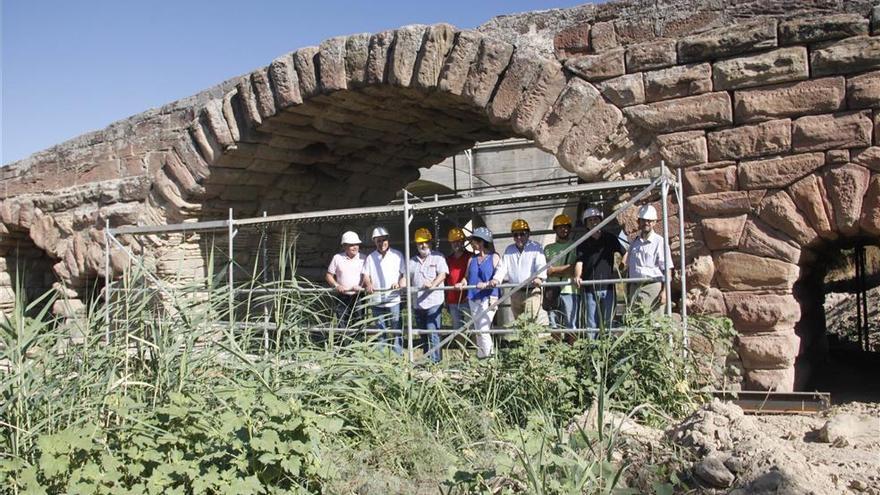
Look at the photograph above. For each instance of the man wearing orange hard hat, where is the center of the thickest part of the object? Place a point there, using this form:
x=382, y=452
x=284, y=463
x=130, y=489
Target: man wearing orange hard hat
x=521, y=260
x=562, y=310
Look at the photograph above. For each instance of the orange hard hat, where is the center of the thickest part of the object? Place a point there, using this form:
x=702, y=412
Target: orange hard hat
x=455, y=234
x=519, y=224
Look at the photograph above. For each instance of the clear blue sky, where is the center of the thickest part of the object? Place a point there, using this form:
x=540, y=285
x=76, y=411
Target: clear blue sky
x=74, y=66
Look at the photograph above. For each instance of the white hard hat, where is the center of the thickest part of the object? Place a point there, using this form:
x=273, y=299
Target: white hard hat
x=482, y=233
x=647, y=212
x=350, y=238
x=591, y=212
x=379, y=232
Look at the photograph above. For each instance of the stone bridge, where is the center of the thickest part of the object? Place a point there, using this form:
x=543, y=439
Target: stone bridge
x=770, y=107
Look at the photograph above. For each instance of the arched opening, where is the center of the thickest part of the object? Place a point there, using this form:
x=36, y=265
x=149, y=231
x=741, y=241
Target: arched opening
x=840, y=323
x=23, y=266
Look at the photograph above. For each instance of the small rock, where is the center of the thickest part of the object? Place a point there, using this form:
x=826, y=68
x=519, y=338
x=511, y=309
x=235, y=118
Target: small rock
x=712, y=471
x=858, y=485
x=735, y=464
x=849, y=428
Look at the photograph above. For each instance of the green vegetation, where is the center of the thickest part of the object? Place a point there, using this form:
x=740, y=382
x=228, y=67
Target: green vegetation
x=180, y=401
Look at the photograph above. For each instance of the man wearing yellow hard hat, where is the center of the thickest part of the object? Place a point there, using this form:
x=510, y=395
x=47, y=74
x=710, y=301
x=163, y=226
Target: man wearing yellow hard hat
x=563, y=309
x=427, y=270
x=520, y=261
x=457, y=262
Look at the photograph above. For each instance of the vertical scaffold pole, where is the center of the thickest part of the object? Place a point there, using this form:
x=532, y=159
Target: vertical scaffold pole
x=409, y=327
x=229, y=274
x=265, y=279
x=679, y=189
x=107, y=279
x=664, y=198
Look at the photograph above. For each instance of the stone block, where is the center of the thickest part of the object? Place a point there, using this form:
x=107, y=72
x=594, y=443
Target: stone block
x=682, y=149
x=777, y=380
x=736, y=271
x=779, y=171
x=331, y=65
x=576, y=153
x=706, y=302
x=597, y=67
x=845, y=187
x=377, y=57
x=875, y=20
x=777, y=66
x=305, y=62
x=821, y=28
x=690, y=113
x=700, y=272
x=635, y=30
x=756, y=312
x=286, y=82
x=492, y=58
x=822, y=132
x=780, y=212
x=603, y=36
x=576, y=98
x=870, y=219
x=678, y=81
x=538, y=98
x=439, y=39
x=573, y=40
x=403, y=54
x=357, y=51
x=519, y=75
x=729, y=40
x=711, y=178
x=721, y=233
x=837, y=157
x=655, y=54
x=867, y=157
x=719, y=203
x=761, y=240
x=863, y=91
x=776, y=350
x=789, y=99
x=458, y=62
x=846, y=56
x=809, y=198
x=750, y=141
x=623, y=91
x=877, y=127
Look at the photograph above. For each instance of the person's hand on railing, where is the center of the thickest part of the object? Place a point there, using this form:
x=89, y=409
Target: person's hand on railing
x=461, y=285
x=537, y=282
x=578, y=282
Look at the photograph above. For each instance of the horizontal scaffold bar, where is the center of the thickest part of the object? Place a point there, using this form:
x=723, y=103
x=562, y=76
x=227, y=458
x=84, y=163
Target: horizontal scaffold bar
x=508, y=197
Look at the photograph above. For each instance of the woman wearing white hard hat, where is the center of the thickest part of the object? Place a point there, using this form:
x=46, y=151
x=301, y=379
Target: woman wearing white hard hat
x=481, y=269
x=344, y=276
x=647, y=257
x=595, y=261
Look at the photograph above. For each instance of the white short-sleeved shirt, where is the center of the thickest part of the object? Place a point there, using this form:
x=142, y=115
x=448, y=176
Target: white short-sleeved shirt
x=645, y=258
x=385, y=271
x=517, y=265
x=422, y=271
x=347, y=271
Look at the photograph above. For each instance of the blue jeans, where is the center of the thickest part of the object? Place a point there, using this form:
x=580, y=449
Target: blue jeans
x=459, y=314
x=429, y=319
x=566, y=315
x=388, y=318
x=599, y=307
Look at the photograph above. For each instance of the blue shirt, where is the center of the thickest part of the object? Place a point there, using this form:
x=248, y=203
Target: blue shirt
x=481, y=272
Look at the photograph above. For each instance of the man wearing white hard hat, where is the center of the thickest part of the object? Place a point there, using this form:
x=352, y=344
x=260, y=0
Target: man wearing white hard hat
x=384, y=274
x=595, y=261
x=344, y=275
x=520, y=261
x=647, y=257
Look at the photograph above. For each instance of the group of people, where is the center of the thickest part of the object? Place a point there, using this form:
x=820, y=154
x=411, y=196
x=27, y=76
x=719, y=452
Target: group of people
x=580, y=278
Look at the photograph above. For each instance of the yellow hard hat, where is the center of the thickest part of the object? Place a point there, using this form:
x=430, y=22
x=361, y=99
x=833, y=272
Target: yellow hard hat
x=561, y=219
x=423, y=235
x=519, y=224
x=455, y=234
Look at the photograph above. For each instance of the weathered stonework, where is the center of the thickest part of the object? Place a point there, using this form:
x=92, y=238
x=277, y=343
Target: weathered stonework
x=772, y=113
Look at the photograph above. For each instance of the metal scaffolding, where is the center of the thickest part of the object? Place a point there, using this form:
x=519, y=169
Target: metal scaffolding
x=636, y=190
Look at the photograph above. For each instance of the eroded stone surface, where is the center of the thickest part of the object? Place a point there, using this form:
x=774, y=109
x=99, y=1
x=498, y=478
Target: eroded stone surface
x=790, y=99
x=726, y=41
x=755, y=312
x=777, y=66
x=694, y=112
x=737, y=271
x=846, y=186
x=750, y=141
x=846, y=56
x=822, y=132
x=778, y=172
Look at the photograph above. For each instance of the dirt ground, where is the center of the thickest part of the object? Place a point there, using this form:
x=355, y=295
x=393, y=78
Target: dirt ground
x=833, y=452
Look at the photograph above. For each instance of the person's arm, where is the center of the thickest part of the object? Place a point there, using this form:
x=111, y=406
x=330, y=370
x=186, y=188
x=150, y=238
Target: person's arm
x=367, y=281
x=401, y=280
x=578, y=272
x=500, y=264
x=540, y=261
x=442, y=272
